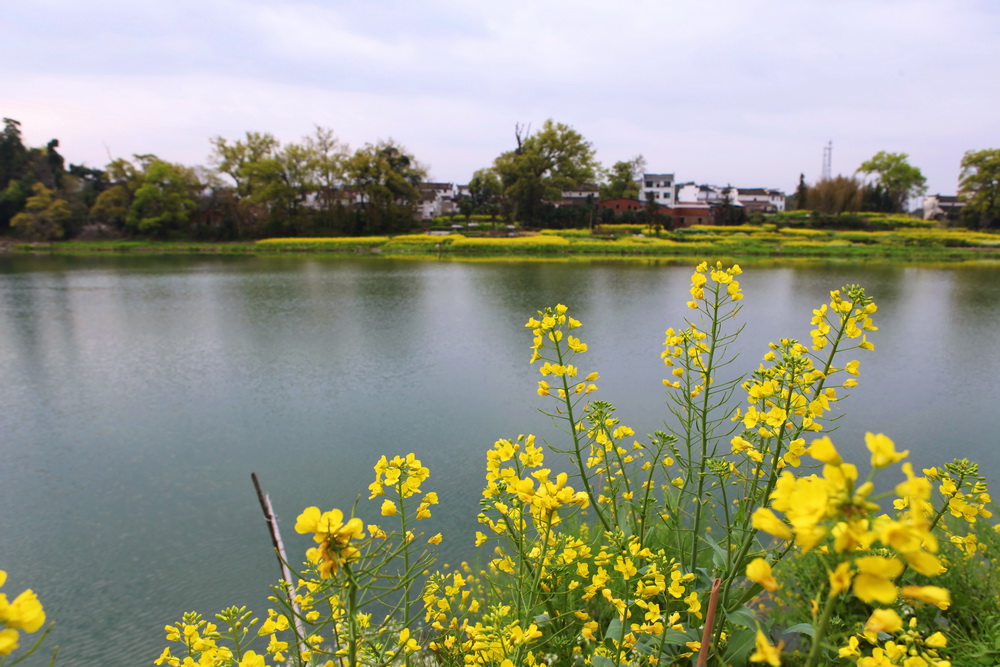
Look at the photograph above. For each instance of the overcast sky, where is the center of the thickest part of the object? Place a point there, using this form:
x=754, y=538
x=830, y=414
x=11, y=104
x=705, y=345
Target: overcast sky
x=741, y=92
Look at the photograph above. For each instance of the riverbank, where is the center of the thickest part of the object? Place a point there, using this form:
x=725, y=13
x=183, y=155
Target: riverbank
x=741, y=241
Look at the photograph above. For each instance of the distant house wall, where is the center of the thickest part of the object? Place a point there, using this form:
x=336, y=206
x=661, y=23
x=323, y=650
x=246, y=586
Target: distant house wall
x=660, y=185
x=621, y=205
x=437, y=199
x=943, y=207
x=687, y=215
x=764, y=200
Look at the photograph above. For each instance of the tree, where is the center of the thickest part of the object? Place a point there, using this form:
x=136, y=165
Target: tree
x=111, y=206
x=840, y=194
x=553, y=159
x=801, y=193
x=13, y=154
x=385, y=178
x=485, y=193
x=163, y=194
x=730, y=212
x=979, y=187
x=43, y=216
x=899, y=178
x=328, y=157
x=622, y=179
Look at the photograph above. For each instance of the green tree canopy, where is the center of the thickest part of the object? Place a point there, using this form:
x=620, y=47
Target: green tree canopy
x=163, y=194
x=385, y=178
x=281, y=185
x=21, y=167
x=979, y=187
x=899, y=179
x=554, y=158
x=485, y=193
x=44, y=215
x=622, y=179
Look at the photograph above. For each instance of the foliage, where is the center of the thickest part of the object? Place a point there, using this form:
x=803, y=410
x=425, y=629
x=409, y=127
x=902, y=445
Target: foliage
x=163, y=197
x=622, y=180
x=834, y=195
x=899, y=179
x=285, y=187
x=385, y=176
x=553, y=159
x=979, y=187
x=43, y=216
x=485, y=194
x=737, y=528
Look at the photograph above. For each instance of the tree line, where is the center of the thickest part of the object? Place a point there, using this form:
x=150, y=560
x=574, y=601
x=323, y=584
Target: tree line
x=887, y=182
x=257, y=187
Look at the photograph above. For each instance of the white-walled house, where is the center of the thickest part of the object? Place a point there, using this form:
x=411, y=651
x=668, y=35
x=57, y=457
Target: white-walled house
x=942, y=207
x=691, y=193
x=662, y=187
x=437, y=199
x=765, y=200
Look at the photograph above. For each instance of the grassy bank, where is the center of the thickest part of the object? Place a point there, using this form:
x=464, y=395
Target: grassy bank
x=909, y=243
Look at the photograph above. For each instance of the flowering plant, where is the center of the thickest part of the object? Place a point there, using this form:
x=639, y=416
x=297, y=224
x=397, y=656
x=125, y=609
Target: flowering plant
x=737, y=535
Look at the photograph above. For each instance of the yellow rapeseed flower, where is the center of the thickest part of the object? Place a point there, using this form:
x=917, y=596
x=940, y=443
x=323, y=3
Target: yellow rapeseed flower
x=883, y=450
x=766, y=652
x=759, y=571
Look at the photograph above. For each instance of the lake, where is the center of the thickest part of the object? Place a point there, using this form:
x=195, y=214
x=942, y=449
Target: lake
x=139, y=393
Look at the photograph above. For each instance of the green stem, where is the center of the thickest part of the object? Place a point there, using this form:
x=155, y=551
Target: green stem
x=703, y=418
x=816, y=648
x=578, y=445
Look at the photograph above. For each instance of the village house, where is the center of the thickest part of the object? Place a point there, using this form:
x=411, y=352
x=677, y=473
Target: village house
x=687, y=203
x=661, y=186
x=762, y=200
x=943, y=207
x=437, y=199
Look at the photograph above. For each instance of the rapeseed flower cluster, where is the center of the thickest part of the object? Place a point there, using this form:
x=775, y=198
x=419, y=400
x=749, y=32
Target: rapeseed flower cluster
x=404, y=472
x=23, y=614
x=333, y=537
x=720, y=276
x=201, y=643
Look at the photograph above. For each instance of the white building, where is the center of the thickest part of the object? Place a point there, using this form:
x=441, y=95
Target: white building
x=762, y=199
x=662, y=187
x=437, y=199
x=690, y=193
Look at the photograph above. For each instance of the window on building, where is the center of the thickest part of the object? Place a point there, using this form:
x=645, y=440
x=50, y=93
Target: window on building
x=649, y=184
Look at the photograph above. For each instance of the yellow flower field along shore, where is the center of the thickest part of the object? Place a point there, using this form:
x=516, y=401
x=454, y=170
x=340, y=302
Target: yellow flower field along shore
x=788, y=235
x=738, y=535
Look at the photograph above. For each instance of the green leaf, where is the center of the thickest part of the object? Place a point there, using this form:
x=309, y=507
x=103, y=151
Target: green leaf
x=743, y=617
x=802, y=629
x=677, y=638
x=601, y=661
x=719, y=560
x=614, y=630
x=739, y=646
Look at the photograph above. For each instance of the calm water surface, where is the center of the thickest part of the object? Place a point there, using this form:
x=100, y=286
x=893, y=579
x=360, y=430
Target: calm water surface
x=138, y=394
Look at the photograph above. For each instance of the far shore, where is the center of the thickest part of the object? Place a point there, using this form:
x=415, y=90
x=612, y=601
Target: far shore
x=739, y=242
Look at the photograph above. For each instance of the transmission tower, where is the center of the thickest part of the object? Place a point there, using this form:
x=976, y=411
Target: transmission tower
x=827, y=161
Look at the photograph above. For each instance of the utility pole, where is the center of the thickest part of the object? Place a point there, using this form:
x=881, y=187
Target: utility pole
x=827, y=161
